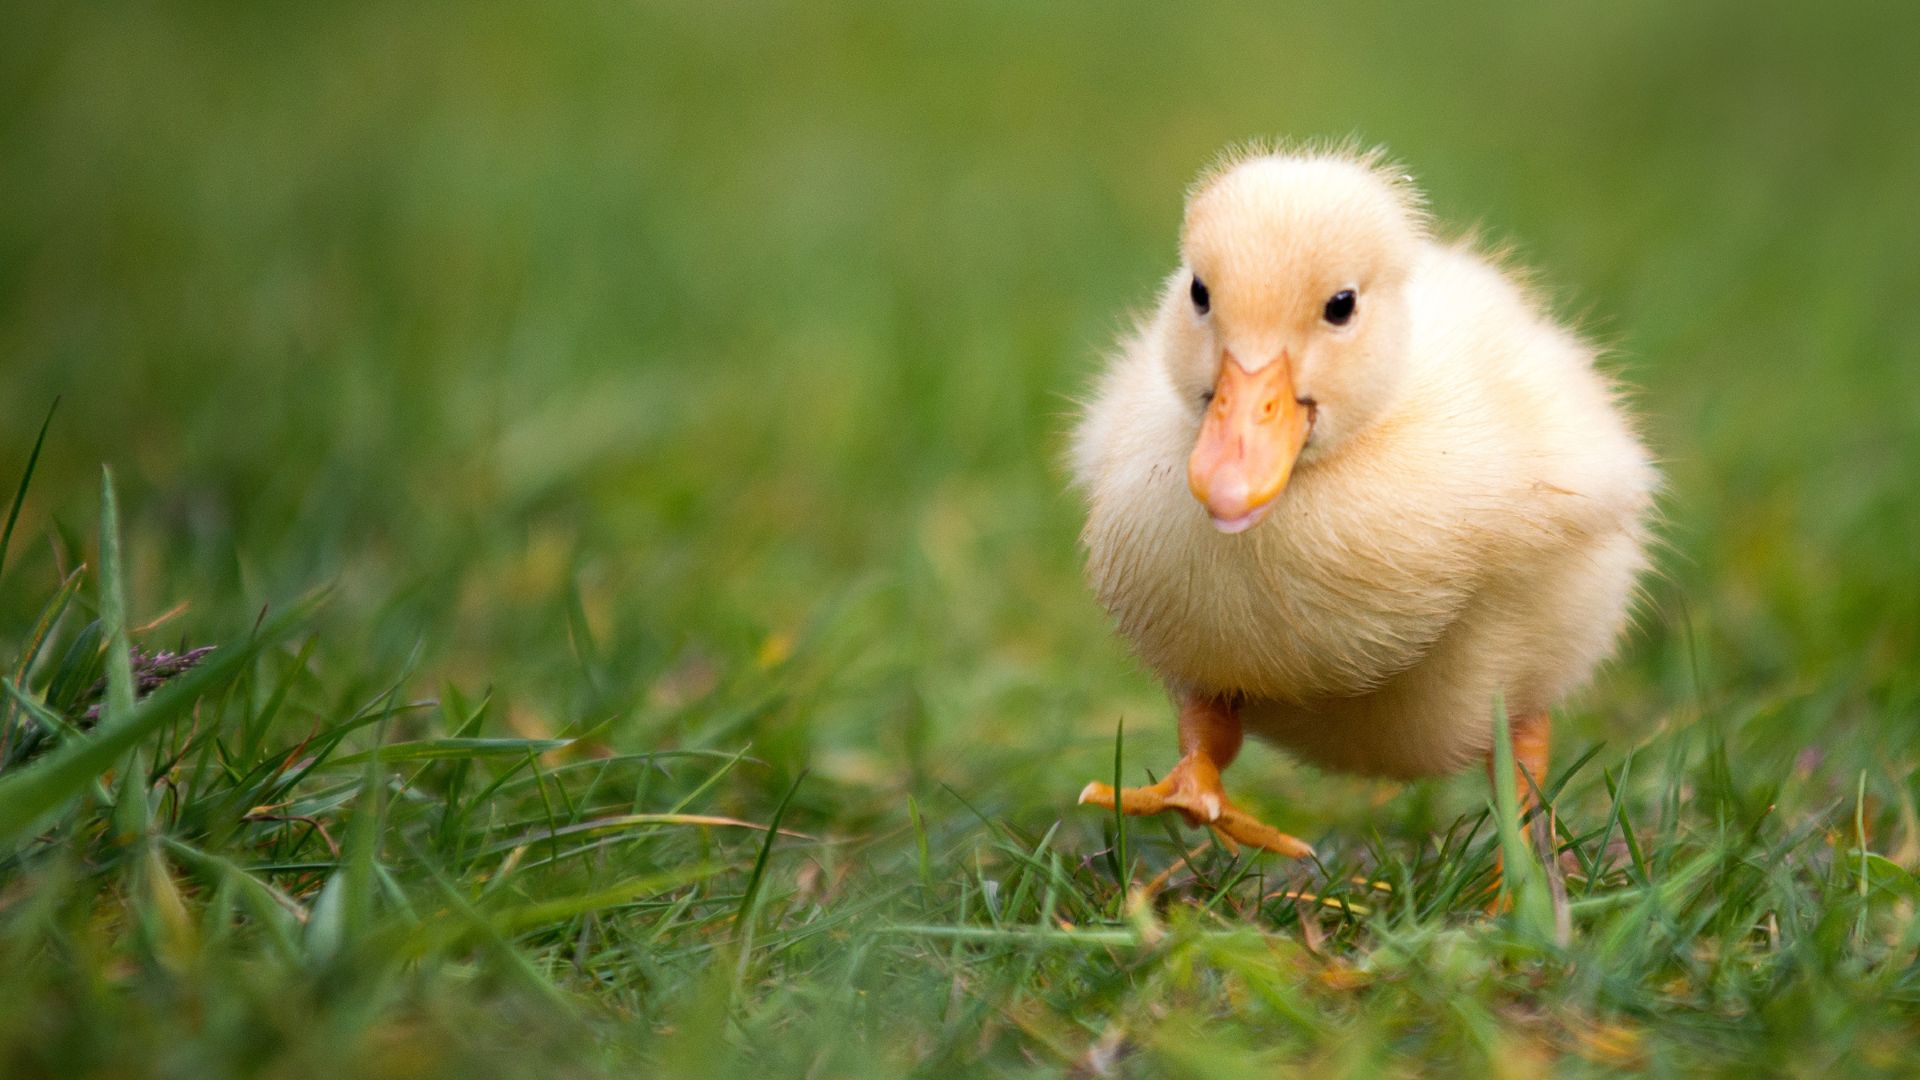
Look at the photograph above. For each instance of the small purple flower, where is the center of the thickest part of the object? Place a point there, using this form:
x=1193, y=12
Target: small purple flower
x=150, y=672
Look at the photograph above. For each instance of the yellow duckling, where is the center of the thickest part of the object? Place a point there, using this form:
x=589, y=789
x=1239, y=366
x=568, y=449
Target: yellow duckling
x=1346, y=485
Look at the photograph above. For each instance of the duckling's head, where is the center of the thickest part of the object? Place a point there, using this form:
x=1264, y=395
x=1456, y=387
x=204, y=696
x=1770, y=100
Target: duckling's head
x=1295, y=328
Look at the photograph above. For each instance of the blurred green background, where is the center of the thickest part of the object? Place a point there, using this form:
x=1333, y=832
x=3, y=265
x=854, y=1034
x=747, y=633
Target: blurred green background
x=619, y=355
x=728, y=314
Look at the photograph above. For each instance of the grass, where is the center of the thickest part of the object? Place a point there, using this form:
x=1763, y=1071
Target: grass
x=613, y=452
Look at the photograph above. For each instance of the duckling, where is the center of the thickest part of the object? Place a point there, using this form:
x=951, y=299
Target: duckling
x=1347, y=485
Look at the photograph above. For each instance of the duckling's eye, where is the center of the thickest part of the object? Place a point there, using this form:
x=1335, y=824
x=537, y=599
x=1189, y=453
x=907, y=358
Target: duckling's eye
x=1201, y=300
x=1340, y=307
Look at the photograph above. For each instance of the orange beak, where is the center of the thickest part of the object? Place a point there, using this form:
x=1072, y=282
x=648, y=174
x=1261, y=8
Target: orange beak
x=1253, y=431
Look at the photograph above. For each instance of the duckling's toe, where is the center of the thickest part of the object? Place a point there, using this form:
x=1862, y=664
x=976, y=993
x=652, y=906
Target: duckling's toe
x=1193, y=788
x=1241, y=827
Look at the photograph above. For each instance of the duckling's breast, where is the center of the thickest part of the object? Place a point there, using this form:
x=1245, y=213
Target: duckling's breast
x=1329, y=596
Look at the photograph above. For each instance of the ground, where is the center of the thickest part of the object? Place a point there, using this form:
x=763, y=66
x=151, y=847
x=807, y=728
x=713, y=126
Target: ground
x=594, y=435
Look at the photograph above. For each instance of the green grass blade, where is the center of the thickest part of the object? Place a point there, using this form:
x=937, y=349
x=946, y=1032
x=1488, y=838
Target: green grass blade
x=255, y=728
x=454, y=749
x=750, y=898
x=113, y=609
x=26, y=479
x=28, y=796
x=1524, y=881
x=471, y=921
x=132, y=812
x=1122, y=863
x=514, y=920
x=754, y=881
x=43, y=626
x=925, y=861
x=51, y=724
x=358, y=875
x=49, y=720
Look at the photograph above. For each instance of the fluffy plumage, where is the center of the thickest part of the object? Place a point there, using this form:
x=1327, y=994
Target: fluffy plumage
x=1466, y=519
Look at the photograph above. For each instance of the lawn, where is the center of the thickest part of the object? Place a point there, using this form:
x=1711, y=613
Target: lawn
x=616, y=453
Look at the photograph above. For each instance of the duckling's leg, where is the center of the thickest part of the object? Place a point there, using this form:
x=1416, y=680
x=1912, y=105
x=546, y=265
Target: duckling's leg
x=1529, y=735
x=1529, y=759
x=1209, y=741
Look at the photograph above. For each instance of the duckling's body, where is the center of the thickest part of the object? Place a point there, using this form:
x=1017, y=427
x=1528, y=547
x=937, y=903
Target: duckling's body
x=1470, y=526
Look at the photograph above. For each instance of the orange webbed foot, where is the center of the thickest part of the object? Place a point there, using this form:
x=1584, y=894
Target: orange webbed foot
x=1193, y=788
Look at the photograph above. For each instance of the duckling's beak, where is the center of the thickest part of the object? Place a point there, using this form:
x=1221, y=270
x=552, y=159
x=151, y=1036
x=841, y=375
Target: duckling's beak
x=1253, y=431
